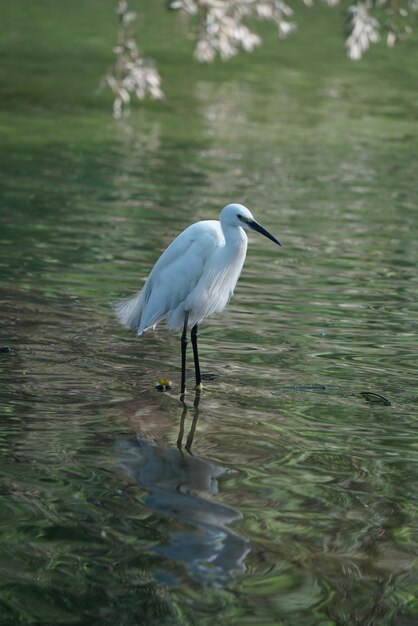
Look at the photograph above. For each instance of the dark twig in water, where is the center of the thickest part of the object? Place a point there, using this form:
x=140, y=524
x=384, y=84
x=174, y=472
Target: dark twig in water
x=375, y=398
x=370, y=396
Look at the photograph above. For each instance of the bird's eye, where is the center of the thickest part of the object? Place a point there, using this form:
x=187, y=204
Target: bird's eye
x=241, y=217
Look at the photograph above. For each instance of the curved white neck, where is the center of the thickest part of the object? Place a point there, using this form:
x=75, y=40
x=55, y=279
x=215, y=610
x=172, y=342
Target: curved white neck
x=234, y=234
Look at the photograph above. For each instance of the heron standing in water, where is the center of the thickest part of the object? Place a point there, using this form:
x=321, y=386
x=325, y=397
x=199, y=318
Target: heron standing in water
x=193, y=279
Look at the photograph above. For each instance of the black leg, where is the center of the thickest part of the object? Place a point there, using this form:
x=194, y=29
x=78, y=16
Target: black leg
x=194, y=335
x=183, y=353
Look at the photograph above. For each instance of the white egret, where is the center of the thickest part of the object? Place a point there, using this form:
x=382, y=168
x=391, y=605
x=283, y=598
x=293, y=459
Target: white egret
x=194, y=278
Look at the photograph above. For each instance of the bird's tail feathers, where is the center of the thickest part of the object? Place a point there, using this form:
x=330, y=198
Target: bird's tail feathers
x=129, y=310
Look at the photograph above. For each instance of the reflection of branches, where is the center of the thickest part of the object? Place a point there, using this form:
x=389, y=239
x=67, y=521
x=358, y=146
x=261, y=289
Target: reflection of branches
x=131, y=73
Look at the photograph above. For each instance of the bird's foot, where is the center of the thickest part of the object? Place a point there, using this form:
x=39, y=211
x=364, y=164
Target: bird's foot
x=199, y=387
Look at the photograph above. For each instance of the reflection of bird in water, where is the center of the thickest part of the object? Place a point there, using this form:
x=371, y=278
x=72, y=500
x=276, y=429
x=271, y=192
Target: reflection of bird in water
x=179, y=485
x=193, y=279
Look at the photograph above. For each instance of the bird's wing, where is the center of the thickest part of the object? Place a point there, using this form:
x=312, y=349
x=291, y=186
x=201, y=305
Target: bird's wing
x=178, y=270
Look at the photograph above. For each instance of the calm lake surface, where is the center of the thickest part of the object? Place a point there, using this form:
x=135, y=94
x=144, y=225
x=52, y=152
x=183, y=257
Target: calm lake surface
x=298, y=504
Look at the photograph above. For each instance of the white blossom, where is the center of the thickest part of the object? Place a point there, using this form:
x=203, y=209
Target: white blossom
x=222, y=28
x=363, y=31
x=391, y=39
x=131, y=74
x=285, y=28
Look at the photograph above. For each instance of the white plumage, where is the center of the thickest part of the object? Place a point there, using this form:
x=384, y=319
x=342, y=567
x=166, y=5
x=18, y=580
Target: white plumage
x=195, y=276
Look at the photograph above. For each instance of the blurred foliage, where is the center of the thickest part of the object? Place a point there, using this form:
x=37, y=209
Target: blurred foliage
x=132, y=73
x=223, y=27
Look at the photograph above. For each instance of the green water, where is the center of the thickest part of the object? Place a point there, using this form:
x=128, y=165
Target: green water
x=298, y=506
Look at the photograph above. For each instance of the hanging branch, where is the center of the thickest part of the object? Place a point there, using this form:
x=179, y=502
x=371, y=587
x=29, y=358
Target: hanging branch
x=362, y=30
x=224, y=27
x=131, y=73
x=222, y=30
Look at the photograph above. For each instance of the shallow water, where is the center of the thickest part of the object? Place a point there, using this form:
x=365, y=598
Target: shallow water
x=298, y=502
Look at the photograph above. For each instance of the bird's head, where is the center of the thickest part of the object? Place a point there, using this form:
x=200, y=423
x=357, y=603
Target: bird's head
x=239, y=215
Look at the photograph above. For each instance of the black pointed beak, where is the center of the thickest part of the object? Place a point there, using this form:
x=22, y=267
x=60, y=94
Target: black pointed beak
x=256, y=226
